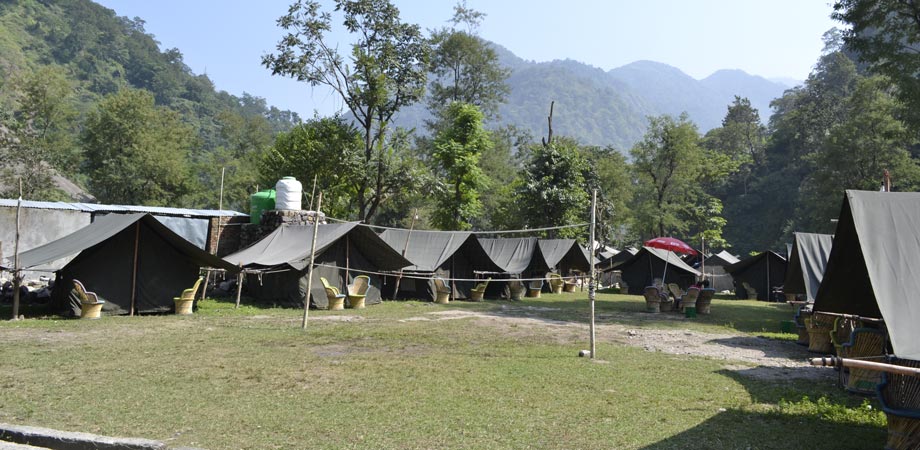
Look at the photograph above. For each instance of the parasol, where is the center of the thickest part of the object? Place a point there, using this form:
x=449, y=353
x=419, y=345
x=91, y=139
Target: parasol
x=671, y=245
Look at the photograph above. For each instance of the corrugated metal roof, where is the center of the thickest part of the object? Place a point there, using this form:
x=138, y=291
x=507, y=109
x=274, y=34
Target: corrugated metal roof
x=94, y=208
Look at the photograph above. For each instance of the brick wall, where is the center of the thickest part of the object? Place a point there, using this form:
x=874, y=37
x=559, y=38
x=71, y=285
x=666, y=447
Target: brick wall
x=230, y=234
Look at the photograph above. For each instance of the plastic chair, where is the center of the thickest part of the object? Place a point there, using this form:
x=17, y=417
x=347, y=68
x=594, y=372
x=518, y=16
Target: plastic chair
x=515, y=289
x=335, y=299
x=357, y=290
x=477, y=293
x=534, y=288
x=90, y=305
x=185, y=300
x=652, y=299
x=556, y=283
x=442, y=291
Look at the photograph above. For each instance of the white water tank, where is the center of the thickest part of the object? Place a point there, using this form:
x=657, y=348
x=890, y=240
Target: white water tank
x=288, y=192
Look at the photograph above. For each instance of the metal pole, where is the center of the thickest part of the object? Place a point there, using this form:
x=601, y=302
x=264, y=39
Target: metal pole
x=306, y=300
x=17, y=276
x=591, y=280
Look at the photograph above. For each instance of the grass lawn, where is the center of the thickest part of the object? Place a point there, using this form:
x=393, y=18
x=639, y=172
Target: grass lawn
x=391, y=376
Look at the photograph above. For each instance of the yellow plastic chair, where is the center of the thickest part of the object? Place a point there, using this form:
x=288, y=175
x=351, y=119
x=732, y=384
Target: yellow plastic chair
x=357, y=290
x=90, y=305
x=477, y=293
x=335, y=299
x=185, y=301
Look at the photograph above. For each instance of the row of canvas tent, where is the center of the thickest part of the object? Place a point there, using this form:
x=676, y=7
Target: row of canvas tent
x=278, y=263
x=137, y=264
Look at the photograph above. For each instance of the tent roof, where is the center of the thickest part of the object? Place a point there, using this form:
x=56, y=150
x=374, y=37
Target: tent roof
x=98, y=208
x=291, y=244
x=105, y=227
x=428, y=250
x=746, y=263
x=873, y=265
x=673, y=259
x=514, y=255
x=806, y=263
x=555, y=250
x=722, y=258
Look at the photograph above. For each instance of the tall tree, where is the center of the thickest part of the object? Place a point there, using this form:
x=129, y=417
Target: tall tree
x=385, y=71
x=136, y=152
x=458, y=147
x=885, y=34
x=553, y=189
x=466, y=67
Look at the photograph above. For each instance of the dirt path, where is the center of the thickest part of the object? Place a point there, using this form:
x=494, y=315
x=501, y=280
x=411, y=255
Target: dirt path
x=753, y=356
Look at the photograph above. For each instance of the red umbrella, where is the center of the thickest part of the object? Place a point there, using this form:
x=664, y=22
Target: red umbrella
x=672, y=245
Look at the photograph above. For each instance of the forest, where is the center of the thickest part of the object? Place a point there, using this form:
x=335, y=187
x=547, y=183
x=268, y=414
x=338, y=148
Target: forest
x=90, y=96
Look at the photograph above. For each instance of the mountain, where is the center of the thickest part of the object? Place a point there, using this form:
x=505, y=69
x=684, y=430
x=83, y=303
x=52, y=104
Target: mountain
x=611, y=108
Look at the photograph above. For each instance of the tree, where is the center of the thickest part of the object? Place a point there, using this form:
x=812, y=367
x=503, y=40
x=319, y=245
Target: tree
x=326, y=148
x=36, y=134
x=466, y=67
x=386, y=70
x=458, y=147
x=742, y=139
x=553, y=189
x=885, y=34
x=136, y=152
x=610, y=173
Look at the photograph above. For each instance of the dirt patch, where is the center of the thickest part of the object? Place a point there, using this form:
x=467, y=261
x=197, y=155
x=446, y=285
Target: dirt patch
x=753, y=356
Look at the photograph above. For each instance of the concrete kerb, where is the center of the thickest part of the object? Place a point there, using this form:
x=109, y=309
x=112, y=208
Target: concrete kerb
x=69, y=440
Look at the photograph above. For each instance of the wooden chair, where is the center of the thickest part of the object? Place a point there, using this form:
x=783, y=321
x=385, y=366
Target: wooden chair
x=900, y=399
x=357, y=290
x=335, y=299
x=186, y=299
x=477, y=293
x=90, y=305
x=556, y=283
x=704, y=302
x=841, y=330
x=652, y=299
x=534, y=288
x=819, y=333
x=442, y=291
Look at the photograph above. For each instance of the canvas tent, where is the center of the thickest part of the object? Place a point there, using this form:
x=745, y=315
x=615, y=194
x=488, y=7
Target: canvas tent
x=564, y=256
x=343, y=251
x=807, y=261
x=449, y=254
x=873, y=265
x=127, y=259
x=713, y=269
x=647, y=264
x=516, y=257
x=762, y=272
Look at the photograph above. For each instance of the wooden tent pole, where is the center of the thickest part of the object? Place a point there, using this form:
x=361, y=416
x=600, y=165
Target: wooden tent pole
x=347, y=260
x=831, y=361
x=239, y=285
x=137, y=238
x=306, y=300
x=17, y=275
x=591, y=281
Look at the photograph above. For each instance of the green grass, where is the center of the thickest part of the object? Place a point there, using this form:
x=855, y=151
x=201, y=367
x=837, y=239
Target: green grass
x=251, y=378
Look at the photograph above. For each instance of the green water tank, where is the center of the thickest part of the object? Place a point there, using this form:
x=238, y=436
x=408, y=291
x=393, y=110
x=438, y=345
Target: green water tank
x=260, y=201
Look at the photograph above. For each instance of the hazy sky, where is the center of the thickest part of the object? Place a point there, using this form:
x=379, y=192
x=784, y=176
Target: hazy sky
x=778, y=38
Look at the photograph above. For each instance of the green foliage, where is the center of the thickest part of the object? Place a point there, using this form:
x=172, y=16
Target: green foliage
x=457, y=149
x=328, y=149
x=136, y=152
x=553, y=190
x=610, y=173
x=386, y=70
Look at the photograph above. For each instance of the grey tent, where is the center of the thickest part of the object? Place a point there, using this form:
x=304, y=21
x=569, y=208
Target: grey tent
x=516, y=257
x=617, y=259
x=564, y=255
x=449, y=254
x=647, y=264
x=343, y=251
x=762, y=272
x=807, y=261
x=714, y=270
x=125, y=259
x=873, y=265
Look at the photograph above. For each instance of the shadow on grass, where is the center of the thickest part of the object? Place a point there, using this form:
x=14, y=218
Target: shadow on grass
x=802, y=414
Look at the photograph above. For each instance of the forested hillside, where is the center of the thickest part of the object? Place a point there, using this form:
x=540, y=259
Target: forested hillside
x=76, y=53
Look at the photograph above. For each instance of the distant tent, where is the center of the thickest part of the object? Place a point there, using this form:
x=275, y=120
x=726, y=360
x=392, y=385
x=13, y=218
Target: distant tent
x=106, y=251
x=617, y=259
x=343, y=251
x=647, y=264
x=714, y=270
x=807, y=262
x=873, y=265
x=564, y=256
x=517, y=258
x=449, y=254
x=761, y=272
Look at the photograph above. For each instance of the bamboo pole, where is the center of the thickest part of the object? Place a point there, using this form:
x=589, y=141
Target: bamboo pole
x=17, y=275
x=591, y=280
x=405, y=249
x=313, y=194
x=306, y=300
x=137, y=238
x=833, y=361
x=239, y=286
